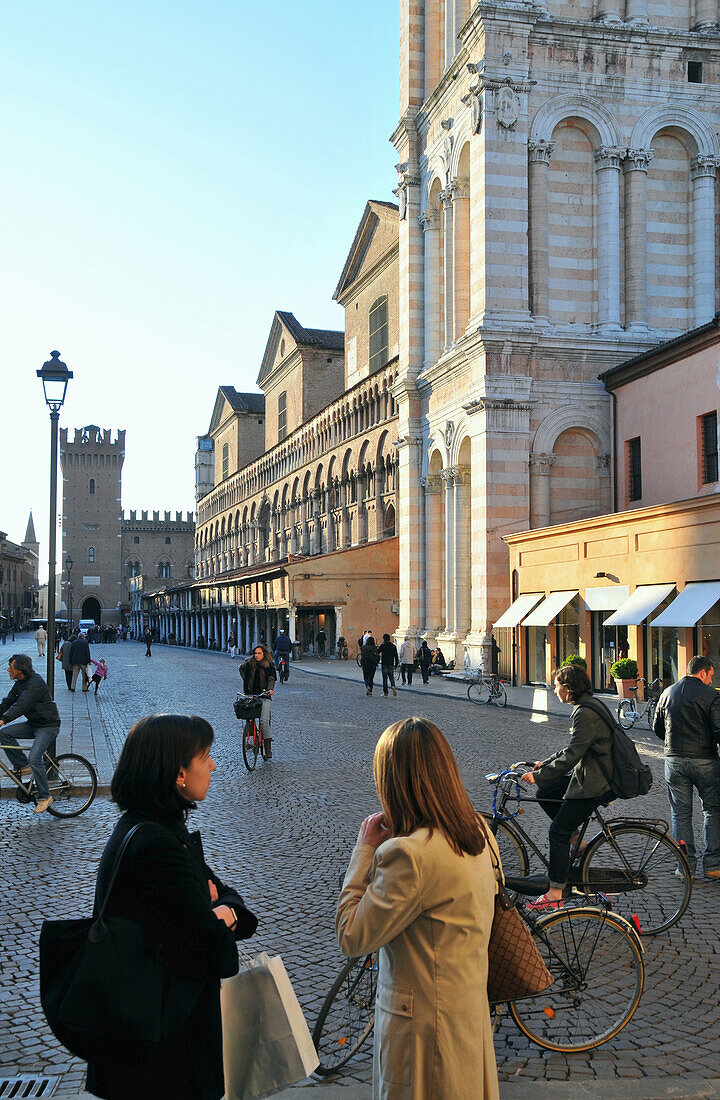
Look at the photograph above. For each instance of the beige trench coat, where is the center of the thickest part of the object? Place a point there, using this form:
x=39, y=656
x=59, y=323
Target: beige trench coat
x=429, y=912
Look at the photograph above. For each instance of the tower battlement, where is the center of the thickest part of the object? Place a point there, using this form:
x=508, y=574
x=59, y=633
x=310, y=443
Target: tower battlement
x=145, y=521
x=91, y=437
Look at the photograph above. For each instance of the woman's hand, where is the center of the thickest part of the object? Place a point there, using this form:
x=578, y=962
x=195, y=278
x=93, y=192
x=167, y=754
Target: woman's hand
x=528, y=777
x=213, y=890
x=373, y=831
x=225, y=914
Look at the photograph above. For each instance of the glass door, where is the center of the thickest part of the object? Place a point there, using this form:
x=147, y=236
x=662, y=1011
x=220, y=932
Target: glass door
x=609, y=644
x=535, y=651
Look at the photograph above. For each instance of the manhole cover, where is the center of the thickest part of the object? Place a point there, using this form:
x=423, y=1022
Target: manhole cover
x=27, y=1084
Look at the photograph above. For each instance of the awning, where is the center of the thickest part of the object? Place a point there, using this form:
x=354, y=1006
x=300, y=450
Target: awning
x=690, y=605
x=550, y=608
x=518, y=609
x=607, y=598
x=642, y=603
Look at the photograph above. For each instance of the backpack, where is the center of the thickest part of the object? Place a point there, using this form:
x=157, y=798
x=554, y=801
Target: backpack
x=631, y=778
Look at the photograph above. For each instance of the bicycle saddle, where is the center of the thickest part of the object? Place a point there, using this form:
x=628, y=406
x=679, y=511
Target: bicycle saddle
x=533, y=886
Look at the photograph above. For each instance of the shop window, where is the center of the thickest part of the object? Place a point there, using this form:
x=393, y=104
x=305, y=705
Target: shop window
x=634, y=466
x=709, y=445
x=707, y=636
x=378, y=333
x=568, y=631
x=282, y=416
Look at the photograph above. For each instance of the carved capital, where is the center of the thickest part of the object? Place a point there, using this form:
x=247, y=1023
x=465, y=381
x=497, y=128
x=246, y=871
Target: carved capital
x=703, y=166
x=445, y=197
x=431, y=484
x=459, y=188
x=542, y=462
x=602, y=464
x=609, y=156
x=429, y=220
x=540, y=151
x=408, y=441
x=637, y=160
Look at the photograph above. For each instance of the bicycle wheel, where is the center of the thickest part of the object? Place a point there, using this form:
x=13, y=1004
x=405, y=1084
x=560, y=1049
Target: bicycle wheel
x=478, y=692
x=358, y=662
x=74, y=786
x=597, y=967
x=637, y=871
x=347, y=1015
x=513, y=853
x=501, y=696
x=650, y=714
x=627, y=715
x=250, y=745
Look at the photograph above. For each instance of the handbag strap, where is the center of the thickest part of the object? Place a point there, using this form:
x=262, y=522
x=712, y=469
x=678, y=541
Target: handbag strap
x=116, y=867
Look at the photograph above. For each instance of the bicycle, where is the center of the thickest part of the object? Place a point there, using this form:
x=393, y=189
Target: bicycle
x=483, y=689
x=628, y=713
x=248, y=708
x=594, y=956
x=634, y=860
x=72, y=781
x=283, y=668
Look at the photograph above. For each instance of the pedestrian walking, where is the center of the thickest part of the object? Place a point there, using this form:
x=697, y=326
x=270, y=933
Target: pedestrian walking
x=164, y=884
x=389, y=662
x=30, y=698
x=425, y=659
x=64, y=657
x=369, y=660
x=420, y=890
x=321, y=642
x=232, y=645
x=148, y=639
x=80, y=660
x=407, y=660
x=687, y=718
x=100, y=673
x=41, y=639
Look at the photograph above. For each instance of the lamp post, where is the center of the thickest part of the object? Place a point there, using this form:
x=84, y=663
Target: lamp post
x=55, y=377
x=68, y=565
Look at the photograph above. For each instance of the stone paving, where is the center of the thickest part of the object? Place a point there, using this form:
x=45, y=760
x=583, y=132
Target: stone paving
x=282, y=835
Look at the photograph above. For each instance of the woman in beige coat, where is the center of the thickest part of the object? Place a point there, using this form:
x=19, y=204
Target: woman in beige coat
x=428, y=909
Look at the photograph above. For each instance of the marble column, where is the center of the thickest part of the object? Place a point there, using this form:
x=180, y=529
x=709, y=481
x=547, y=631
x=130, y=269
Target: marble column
x=706, y=15
x=541, y=510
x=430, y=223
x=636, y=13
x=461, y=547
x=433, y=555
x=702, y=173
x=608, y=11
x=344, y=528
x=361, y=508
x=447, y=476
x=450, y=31
x=448, y=292
x=539, y=153
x=608, y=160
x=460, y=197
x=636, y=167
x=317, y=526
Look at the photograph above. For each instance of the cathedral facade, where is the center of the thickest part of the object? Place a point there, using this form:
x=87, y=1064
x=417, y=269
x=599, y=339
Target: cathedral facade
x=557, y=192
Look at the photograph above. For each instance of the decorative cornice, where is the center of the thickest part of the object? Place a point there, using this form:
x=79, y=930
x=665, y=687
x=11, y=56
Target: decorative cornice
x=408, y=441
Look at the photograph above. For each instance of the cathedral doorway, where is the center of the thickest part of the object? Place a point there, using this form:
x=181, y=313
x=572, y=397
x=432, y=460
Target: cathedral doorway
x=91, y=609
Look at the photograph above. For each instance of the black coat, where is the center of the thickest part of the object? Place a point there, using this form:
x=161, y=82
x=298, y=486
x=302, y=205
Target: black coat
x=30, y=698
x=688, y=719
x=369, y=656
x=163, y=884
x=256, y=677
x=80, y=652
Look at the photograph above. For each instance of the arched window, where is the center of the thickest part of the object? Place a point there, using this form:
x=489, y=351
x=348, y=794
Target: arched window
x=91, y=554
x=282, y=416
x=164, y=569
x=92, y=486
x=225, y=461
x=378, y=333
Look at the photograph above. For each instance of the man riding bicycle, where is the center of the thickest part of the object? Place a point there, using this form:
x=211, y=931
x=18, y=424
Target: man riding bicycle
x=30, y=697
x=281, y=653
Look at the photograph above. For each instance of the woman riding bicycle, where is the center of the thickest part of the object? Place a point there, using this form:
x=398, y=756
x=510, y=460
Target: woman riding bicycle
x=259, y=675
x=574, y=781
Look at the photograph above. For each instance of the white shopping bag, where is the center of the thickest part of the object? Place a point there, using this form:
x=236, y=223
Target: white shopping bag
x=266, y=1040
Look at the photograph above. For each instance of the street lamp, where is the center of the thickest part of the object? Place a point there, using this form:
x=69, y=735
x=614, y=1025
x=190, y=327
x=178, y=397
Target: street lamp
x=55, y=377
x=68, y=565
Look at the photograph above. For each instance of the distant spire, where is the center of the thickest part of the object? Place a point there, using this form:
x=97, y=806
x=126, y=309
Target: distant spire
x=30, y=533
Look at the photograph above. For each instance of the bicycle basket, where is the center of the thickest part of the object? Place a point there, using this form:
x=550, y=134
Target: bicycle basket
x=246, y=709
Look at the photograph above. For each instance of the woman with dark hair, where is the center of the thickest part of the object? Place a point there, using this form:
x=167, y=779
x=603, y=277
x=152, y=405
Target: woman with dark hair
x=165, y=885
x=258, y=675
x=574, y=781
x=420, y=889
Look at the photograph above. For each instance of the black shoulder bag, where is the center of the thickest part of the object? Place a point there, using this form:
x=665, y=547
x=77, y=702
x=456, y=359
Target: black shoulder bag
x=103, y=988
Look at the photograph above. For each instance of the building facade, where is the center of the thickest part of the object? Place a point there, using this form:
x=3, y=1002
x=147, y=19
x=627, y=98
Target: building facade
x=19, y=564
x=106, y=547
x=557, y=192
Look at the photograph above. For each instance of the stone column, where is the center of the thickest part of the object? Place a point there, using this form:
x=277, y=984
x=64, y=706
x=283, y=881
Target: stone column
x=430, y=223
x=461, y=547
x=344, y=527
x=608, y=11
x=542, y=464
x=223, y=630
x=460, y=193
x=448, y=294
x=361, y=508
x=607, y=171
x=706, y=15
x=702, y=172
x=448, y=477
x=539, y=153
x=379, y=518
x=636, y=166
x=412, y=534
x=433, y=555
x=305, y=529
x=636, y=13
x=450, y=31
x=317, y=527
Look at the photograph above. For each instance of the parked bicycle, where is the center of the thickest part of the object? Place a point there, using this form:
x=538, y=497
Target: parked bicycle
x=629, y=713
x=248, y=709
x=72, y=781
x=594, y=956
x=633, y=860
x=483, y=689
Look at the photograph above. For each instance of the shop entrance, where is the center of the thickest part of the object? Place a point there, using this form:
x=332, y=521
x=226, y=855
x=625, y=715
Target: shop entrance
x=309, y=621
x=609, y=644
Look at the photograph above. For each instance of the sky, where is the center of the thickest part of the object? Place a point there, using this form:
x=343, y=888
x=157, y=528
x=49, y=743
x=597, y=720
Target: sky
x=173, y=172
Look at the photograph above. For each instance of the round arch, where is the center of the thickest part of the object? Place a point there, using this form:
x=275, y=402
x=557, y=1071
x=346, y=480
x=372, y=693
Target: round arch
x=594, y=420
x=91, y=609
x=674, y=116
x=585, y=107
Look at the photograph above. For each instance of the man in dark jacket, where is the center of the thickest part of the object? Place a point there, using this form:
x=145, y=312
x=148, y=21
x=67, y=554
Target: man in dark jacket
x=29, y=697
x=80, y=659
x=389, y=662
x=688, y=719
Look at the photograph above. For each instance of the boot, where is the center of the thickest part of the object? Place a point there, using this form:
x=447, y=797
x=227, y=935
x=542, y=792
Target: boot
x=267, y=747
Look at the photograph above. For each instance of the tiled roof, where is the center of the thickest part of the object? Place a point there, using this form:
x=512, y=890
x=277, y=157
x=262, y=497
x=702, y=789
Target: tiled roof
x=244, y=402
x=312, y=337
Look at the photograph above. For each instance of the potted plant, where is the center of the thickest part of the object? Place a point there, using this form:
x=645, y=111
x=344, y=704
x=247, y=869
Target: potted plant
x=575, y=659
x=624, y=673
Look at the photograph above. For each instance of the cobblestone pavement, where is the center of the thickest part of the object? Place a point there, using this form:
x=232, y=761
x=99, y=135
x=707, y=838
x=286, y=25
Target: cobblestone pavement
x=282, y=835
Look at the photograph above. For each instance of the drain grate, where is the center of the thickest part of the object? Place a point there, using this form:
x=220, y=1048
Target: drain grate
x=27, y=1085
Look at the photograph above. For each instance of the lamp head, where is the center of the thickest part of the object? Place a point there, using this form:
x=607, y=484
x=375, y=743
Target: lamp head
x=55, y=377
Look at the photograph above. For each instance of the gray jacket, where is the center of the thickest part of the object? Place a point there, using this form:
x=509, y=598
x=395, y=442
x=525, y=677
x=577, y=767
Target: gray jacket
x=588, y=756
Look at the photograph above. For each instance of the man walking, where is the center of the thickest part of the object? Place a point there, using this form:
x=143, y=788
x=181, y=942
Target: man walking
x=41, y=639
x=281, y=653
x=148, y=639
x=389, y=661
x=688, y=718
x=407, y=660
x=29, y=696
x=80, y=659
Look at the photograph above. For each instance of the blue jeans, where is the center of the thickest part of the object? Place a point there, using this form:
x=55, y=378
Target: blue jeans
x=44, y=738
x=388, y=677
x=683, y=775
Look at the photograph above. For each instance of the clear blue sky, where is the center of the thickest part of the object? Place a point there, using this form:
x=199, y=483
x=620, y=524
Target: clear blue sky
x=173, y=172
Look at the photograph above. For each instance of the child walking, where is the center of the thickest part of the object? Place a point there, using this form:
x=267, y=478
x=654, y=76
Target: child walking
x=100, y=673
